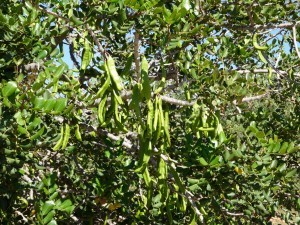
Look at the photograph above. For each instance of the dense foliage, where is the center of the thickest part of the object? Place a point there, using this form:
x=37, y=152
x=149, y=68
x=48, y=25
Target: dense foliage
x=149, y=112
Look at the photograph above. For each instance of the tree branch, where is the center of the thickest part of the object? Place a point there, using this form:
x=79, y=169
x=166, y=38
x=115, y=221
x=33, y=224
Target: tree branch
x=32, y=66
x=189, y=196
x=295, y=40
x=137, y=55
x=264, y=71
x=234, y=214
x=265, y=27
x=175, y=101
x=23, y=217
x=72, y=54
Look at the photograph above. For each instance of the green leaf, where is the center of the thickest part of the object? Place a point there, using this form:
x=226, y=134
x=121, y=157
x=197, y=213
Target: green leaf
x=37, y=86
x=146, y=88
x=69, y=209
x=67, y=206
x=42, y=54
x=260, y=134
x=39, y=103
x=37, y=134
x=202, y=161
x=284, y=147
x=36, y=121
x=76, y=21
x=60, y=105
x=49, y=104
x=273, y=164
x=52, y=222
x=9, y=89
x=128, y=65
x=167, y=14
x=22, y=130
x=253, y=129
x=47, y=207
x=194, y=187
x=53, y=196
x=281, y=167
x=290, y=147
x=186, y=4
x=297, y=148
x=49, y=217
x=19, y=118
x=86, y=55
x=215, y=161
x=55, y=52
x=193, y=181
x=58, y=72
x=291, y=173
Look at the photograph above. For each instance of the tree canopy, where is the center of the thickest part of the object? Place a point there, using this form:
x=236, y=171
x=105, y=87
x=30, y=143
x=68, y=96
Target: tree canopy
x=149, y=112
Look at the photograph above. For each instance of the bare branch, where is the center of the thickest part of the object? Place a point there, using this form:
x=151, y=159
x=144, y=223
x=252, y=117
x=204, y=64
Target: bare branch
x=234, y=214
x=264, y=71
x=126, y=143
x=295, y=41
x=32, y=66
x=265, y=27
x=137, y=55
x=249, y=99
x=72, y=54
x=189, y=196
x=175, y=101
x=23, y=217
x=74, y=218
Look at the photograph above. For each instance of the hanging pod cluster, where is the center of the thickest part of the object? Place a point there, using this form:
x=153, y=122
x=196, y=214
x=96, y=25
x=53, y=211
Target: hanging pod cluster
x=64, y=137
x=154, y=137
x=259, y=49
x=111, y=86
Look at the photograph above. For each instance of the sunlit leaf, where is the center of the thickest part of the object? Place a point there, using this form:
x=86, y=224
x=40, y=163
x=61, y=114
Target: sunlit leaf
x=9, y=89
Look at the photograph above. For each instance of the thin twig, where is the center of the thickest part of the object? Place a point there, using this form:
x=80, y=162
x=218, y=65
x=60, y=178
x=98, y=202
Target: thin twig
x=50, y=12
x=100, y=48
x=234, y=214
x=281, y=48
x=189, y=196
x=126, y=143
x=295, y=41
